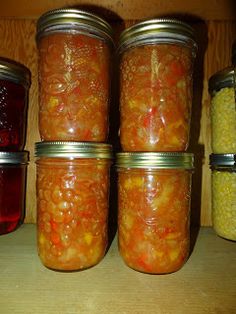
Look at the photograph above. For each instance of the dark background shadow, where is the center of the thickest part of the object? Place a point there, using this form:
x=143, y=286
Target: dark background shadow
x=201, y=32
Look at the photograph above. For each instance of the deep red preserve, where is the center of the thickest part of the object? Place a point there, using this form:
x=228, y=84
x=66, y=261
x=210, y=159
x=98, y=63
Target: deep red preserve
x=12, y=116
x=14, y=85
x=12, y=191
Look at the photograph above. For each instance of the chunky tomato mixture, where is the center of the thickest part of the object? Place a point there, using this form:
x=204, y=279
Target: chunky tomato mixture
x=156, y=96
x=73, y=87
x=72, y=201
x=154, y=219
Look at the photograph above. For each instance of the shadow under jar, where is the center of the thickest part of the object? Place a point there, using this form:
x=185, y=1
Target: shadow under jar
x=154, y=193
x=156, y=66
x=74, y=49
x=72, y=203
x=13, y=166
x=14, y=87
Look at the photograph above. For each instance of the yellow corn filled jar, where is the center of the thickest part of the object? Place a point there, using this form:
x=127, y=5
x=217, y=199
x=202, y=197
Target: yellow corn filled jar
x=223, y=112
x=224, y=194
x=154, y=193
x=72, y=203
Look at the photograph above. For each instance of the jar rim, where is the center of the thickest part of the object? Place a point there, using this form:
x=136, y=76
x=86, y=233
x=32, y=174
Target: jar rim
x=74, y=17
x=156, y=160
x=222, y=160
x=63, y=149
x=221, y=79
x=163, y=30
x=14, y=71
x=14, y=157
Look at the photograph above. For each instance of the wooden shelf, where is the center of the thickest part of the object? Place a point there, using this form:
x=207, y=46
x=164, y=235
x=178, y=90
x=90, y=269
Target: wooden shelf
x=206, y=283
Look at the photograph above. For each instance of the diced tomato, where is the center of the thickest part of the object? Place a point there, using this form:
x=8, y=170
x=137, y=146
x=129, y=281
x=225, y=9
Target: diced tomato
x=176, y=69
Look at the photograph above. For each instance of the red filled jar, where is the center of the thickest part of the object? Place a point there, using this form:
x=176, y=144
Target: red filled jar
x=13, y=167
x=14, y=86
x=72, y=203
x=156, y=66
x=74, y=50
x=154, y=194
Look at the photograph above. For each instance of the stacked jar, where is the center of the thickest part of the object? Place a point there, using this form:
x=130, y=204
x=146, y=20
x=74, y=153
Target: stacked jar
x=222, y=159
x=73, y=158
x=154, y=169
x=14, y=87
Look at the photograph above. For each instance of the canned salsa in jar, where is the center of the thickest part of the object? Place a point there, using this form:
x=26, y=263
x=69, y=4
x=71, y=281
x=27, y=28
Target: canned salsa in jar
x=72, y=203
x=14, y=86
x=154, y=192
x=156, y=65
x=13, y=167
x=224, y=194
x=74, y=50
x=223, y=111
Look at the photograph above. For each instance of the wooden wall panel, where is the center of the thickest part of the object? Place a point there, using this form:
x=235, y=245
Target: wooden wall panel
x=127, y=9
x=215, y=39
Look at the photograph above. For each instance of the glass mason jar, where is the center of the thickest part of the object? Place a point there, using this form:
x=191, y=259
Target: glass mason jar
x=223, y=112
x=156, y=67
x=154, y=192
x=72, y=203
x=74, y=49
x=13, y=166
x=224, y=194
x=14, y=87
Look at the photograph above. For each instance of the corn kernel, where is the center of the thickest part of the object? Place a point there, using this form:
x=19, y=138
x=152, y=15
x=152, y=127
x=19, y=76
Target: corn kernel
x=174, y=253
x=53, y=102
x=42, y=239
x=88, y=238
x=136, y=182
x=172, y=235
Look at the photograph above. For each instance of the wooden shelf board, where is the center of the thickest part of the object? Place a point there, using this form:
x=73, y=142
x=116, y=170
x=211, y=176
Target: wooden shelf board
x=206, y=283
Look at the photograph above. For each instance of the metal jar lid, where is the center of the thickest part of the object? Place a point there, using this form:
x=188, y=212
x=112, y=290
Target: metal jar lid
x=155, y=160
x=13, y=71
x=62, y=19
x=14, y=157
x=221, y=79
x=223, y=160
x=157, y=30
x=73, y=150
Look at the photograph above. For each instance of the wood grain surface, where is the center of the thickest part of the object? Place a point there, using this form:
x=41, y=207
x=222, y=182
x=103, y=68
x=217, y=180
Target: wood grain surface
x=205, y=285
x=214, y=38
